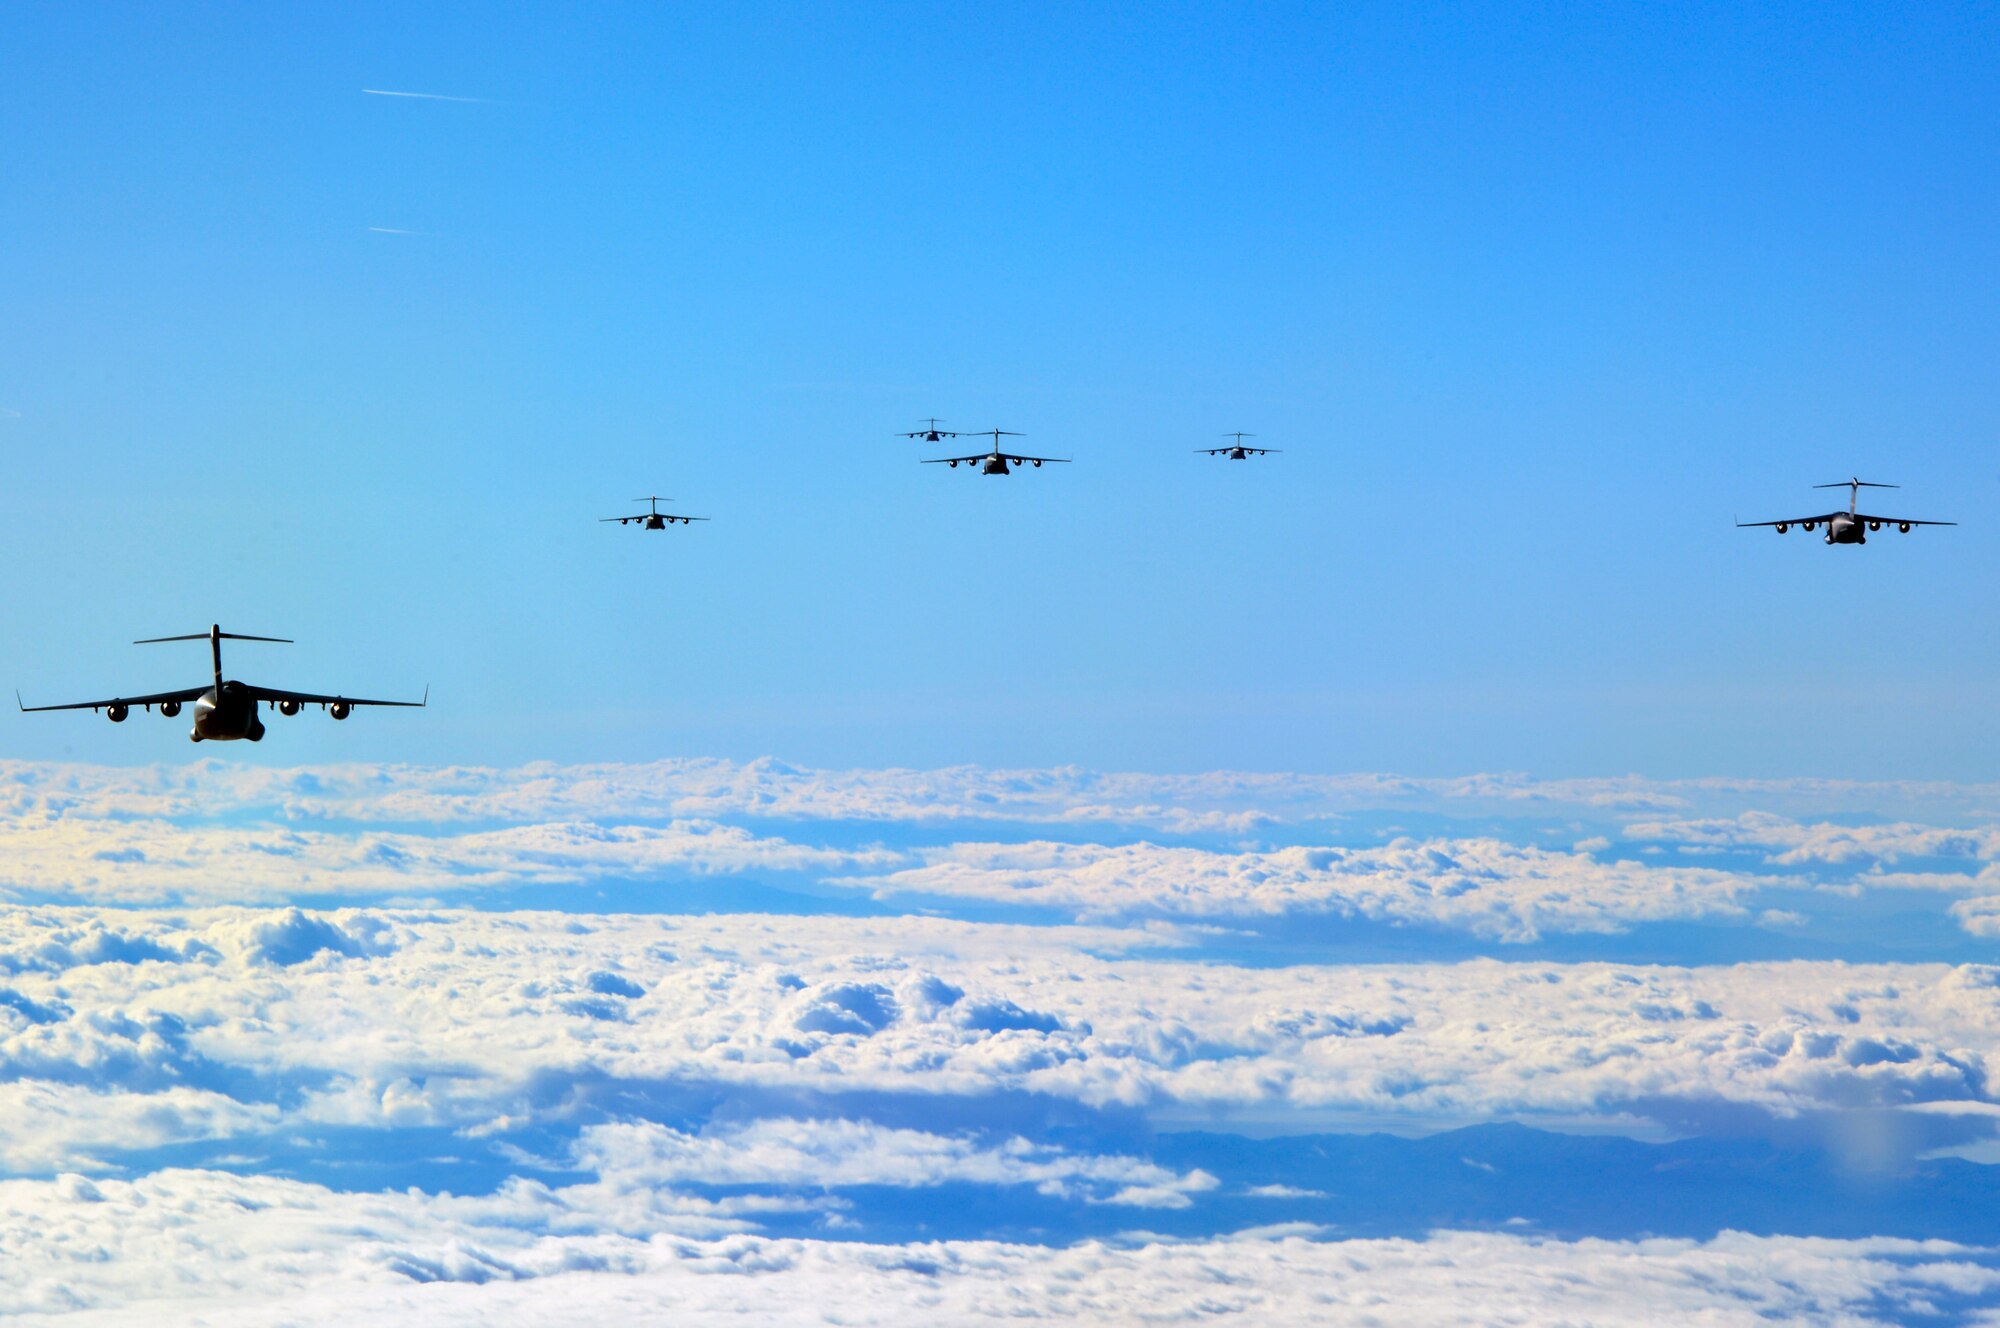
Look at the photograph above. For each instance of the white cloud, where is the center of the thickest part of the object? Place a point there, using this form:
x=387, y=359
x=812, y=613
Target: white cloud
x=1793, y=843
x=792, y=1152
x=387, y=1019
x=700, y=788
x=150, y=861
x=263, y=1251
x=45, y=1126
x=1485, y=886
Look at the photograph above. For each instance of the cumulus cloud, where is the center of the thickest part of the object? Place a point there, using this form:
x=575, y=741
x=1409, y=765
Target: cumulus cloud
x=105, y=859
x=480, y=1022
x=1794, y=843
x=47, y=1126
x=699, y=788
x=828, y=1153
x=1494, y=889
x=262, y=1250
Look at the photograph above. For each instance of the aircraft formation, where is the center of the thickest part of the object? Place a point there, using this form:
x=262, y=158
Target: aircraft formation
x=226, y=709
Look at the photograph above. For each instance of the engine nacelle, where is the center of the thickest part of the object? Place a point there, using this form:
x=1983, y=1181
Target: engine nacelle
x=340, y=710
x=1874, y=525
x=1809, y=524
x=116, y=713
x=952, y=464
x=1903, y=526
x=170, y=708
x=1038, y=465
x=1784, y=526
x=288, y=707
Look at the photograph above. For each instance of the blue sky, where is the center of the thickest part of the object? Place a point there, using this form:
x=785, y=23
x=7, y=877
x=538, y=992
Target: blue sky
x=861, y=893
x=1534, y=306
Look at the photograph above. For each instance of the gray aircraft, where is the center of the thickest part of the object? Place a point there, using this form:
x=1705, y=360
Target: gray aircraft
x=1237, y=451
x=227, y=709
x=1851, y=526
x=930, y=433
x=653, y=519
x=995, y=462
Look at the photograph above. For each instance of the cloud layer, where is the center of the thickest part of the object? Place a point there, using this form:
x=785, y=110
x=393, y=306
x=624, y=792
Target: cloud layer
x=263, y=1250
x=386, y=1019
x=1490, y=888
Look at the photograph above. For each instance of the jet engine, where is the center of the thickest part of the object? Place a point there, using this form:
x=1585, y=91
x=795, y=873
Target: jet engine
x=1874, y=525
x=1809, y=524
x=170, y=708
x=1784, y=526
x=1038, y=465
x=288, y=707
x=116, y=713
x=952, y=464
x=340, y=710
x=1903, y=526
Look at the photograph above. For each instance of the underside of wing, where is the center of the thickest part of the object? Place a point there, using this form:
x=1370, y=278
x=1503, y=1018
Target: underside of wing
x=1792, y=520
x=314, y=698
x=157, y=698
x=945, y=461
x=1900, y=520
x=1018, y=460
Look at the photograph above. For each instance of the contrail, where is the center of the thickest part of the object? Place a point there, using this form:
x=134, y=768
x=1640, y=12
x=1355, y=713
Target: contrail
x=423, y=96
x=395, y=230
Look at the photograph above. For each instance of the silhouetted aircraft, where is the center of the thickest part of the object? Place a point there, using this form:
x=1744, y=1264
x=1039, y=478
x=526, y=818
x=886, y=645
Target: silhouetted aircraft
x=930, y=433
x=654, y=519
x=996, y=461
x=1849, y=527
x=1237, y=451
x=227, y=709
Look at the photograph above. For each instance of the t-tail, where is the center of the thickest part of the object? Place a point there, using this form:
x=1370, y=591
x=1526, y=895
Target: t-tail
x=1854, y=488
x=215, y=636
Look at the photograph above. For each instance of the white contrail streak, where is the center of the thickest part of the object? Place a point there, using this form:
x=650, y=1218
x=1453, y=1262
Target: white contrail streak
x=422, y=96
x=395, y=230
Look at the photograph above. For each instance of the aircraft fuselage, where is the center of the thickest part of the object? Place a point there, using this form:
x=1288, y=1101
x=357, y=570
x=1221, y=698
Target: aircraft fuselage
x=225, y=714
x=1238, y=454
x=995, y=465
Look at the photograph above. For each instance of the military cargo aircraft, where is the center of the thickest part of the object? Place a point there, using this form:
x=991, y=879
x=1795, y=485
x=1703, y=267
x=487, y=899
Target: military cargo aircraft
x=653, y=519
x=996, y=461
x=1237, y=451
x=1851, y=526
x=227, y=709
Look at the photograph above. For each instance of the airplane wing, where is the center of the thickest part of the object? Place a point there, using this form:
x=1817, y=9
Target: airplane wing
x=1792, y=520
x=312, y=698
x=191, y=694
x=644, y=517
x=1017, y=460
x=1900, y=520
x=939, y=461
x=926, y=433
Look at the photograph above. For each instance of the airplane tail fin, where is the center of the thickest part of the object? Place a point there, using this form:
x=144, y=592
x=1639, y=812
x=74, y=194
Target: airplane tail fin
x=208, y=636
x=1856, y=484
x=215, y=636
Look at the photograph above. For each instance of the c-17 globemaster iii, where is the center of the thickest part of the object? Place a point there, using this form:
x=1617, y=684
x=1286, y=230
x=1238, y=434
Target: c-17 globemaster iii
x=996, y=461
x=654, y=518
x=227, y=709
x=1238, y=451
x=1851, y=526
